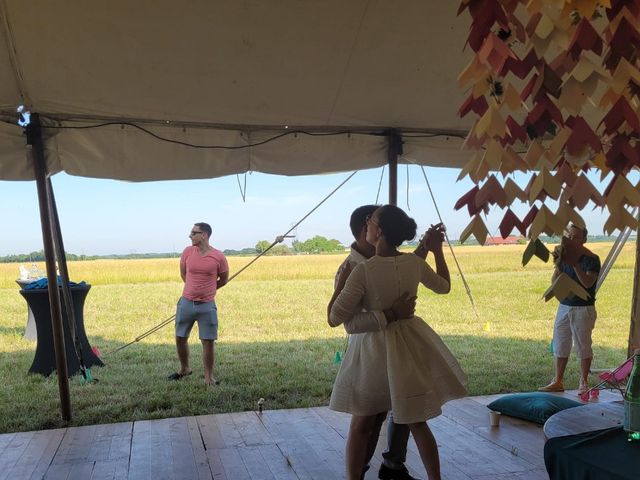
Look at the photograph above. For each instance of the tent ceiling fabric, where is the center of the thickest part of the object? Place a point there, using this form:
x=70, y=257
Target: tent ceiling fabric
x=239, y=69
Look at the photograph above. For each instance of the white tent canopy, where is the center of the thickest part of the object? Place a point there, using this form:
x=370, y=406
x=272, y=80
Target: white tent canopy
x=231, y=73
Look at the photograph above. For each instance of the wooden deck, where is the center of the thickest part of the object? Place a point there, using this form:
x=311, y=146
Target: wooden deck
x=295, y=444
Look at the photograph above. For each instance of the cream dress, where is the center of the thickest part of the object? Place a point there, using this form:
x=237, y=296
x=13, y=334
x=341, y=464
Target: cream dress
x=405, y=366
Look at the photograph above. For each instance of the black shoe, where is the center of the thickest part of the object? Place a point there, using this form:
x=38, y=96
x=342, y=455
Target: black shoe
x=387, y=473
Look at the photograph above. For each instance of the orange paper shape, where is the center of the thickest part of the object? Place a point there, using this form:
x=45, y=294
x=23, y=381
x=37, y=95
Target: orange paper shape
x=494, y=52
x=477, y=228
x=567, y=215
x=474, y=72
x=491, y=193
x=563, y=287
x=583, y=191
x=469, y=199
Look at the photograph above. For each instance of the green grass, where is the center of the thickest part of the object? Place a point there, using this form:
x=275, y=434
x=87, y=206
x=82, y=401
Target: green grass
x=274, y=340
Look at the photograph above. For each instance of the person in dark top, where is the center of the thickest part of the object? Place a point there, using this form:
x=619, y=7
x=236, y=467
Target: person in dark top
x=576, y=317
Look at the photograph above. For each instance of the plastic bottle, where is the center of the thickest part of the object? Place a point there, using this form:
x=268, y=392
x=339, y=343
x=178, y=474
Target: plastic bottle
x=632, y=401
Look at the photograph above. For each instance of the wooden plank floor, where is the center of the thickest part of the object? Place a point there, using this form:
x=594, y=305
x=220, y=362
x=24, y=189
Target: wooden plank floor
x=305, y=443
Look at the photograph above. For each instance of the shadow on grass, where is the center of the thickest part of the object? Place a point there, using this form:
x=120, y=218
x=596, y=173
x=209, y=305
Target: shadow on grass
x=289, y=374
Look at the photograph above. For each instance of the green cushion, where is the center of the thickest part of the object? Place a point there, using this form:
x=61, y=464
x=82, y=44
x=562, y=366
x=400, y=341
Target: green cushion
x=535, y=407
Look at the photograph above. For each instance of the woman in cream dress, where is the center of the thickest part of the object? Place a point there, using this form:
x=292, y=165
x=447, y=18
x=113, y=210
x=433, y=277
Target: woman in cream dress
x=404, y=367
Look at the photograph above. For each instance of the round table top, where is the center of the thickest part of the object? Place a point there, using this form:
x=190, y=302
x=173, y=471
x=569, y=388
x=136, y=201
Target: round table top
x=585, y=418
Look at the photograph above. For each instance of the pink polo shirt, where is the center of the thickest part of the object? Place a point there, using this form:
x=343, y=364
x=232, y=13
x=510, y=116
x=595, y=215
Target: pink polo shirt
x=202, y=273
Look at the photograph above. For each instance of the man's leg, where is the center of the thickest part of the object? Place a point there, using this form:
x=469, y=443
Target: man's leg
x=182, y=345
x=397, y=438
x=208, y=357
x=562, y=339
x=582, y=325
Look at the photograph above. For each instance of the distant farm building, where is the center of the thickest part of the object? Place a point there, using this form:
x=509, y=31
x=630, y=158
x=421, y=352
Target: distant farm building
x=504, y=241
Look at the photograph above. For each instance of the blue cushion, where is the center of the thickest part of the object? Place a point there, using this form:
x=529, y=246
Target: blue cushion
x=535, y=407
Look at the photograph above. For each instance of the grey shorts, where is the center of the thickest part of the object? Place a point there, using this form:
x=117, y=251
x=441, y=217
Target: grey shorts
x=205, y=313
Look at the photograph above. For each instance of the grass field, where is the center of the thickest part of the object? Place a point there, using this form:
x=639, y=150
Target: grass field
x=274, y=340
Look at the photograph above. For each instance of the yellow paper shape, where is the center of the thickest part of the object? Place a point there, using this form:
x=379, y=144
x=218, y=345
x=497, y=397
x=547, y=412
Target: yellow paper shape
x=583, y=191
x=477, y=228
x=557, y=144
x=622, y=193
x=609, y=97
x=622, y=74
x=472, y=141
x=545, y=27
x=588, y=66
x=511, y=98
x=547, y=183
x=493, y=154
x=473, y=72
x=534, y=153
x=545, y=222
x=619, y=219
x=511, y=162
x=572, y=97
x=491, y=124
x=513, y=191
x=482, y=86
x=565, y=214
x=471, y=165
x=564, y=286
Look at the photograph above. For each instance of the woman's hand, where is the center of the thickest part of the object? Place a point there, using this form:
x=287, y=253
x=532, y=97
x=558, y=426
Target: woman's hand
x=433, y=238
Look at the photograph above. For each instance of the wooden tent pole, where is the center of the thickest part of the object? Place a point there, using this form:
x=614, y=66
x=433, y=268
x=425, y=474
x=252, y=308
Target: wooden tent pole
x=634, y=329
x=34, y=138
x=394, y=149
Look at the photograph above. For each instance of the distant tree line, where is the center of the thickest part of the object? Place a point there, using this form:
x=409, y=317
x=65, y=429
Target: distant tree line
x=314, y=245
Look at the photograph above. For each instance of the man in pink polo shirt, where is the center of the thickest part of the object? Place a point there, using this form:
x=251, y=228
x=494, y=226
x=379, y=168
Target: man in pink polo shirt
x=204, y=270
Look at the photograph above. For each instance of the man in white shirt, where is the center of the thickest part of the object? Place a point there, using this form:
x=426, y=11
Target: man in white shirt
x=394, y=456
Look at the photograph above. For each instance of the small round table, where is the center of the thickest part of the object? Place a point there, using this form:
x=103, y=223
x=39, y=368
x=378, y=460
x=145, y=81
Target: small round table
x=585, y=418
x=30, y=329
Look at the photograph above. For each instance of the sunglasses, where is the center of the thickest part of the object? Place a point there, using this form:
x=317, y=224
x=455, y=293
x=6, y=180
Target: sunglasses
x=193, y=234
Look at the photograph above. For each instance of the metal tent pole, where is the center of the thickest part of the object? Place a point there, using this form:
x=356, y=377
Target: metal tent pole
x=634, y=329
x=34, y=138
x=394, y=149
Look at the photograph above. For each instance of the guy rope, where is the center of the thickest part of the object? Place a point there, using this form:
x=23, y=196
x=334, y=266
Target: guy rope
x=279, y=239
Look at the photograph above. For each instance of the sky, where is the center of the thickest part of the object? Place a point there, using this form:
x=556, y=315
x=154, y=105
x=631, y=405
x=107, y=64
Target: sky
x=100, y=217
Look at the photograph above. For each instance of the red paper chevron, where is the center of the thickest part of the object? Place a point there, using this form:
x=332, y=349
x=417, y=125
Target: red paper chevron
x=618, y=114
x=585, y=38
x=509, y=222
x=581, y=136
x=529, y=217
x=621, y=156
x=624, y=43
x=477, y=105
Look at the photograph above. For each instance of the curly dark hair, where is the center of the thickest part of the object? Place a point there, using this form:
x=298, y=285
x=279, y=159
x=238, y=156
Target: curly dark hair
x=396, y=225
